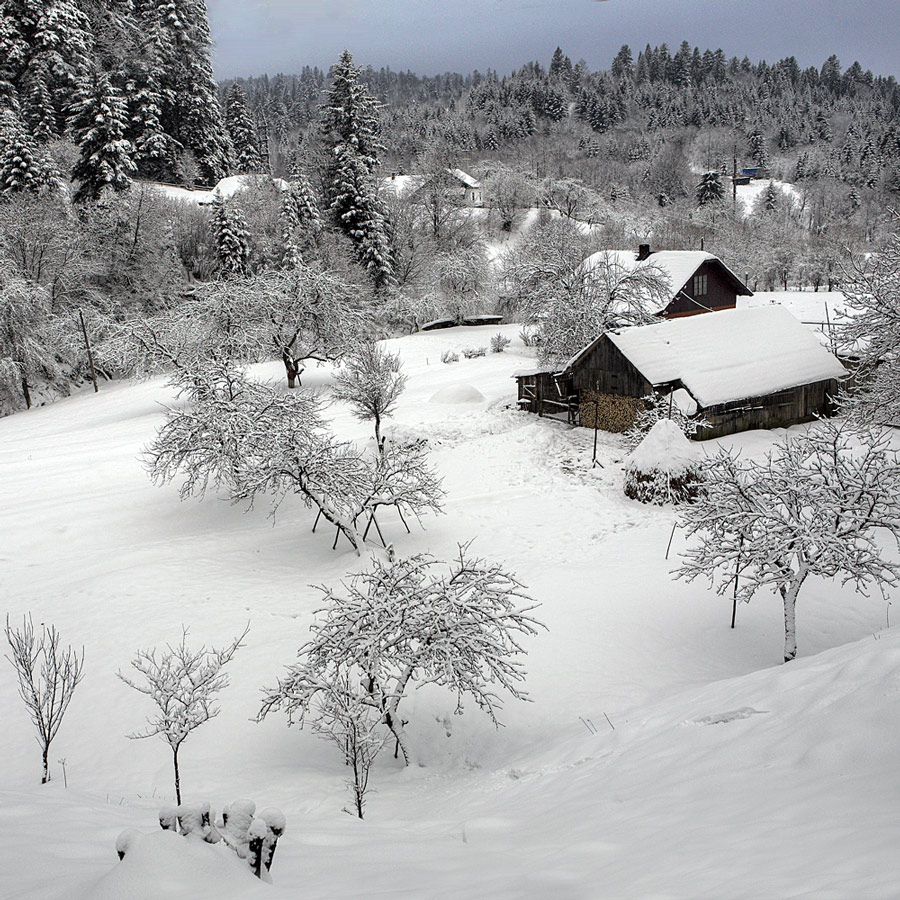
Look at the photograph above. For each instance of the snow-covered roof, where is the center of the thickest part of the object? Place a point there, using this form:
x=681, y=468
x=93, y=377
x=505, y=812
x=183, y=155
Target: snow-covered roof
x=465, y=178
x=679, y=266
x=401, y=185
x=226, y=188
x=729, y=355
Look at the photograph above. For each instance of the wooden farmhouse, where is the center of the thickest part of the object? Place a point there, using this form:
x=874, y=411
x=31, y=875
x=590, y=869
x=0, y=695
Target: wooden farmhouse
x=744, y=368
x=698, y=282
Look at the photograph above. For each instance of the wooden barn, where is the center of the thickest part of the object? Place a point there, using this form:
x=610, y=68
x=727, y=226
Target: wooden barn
x=744, y=368
x=698, y=282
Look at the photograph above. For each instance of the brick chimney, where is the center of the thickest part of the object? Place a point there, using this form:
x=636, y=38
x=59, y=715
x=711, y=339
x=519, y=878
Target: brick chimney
x=643, y=252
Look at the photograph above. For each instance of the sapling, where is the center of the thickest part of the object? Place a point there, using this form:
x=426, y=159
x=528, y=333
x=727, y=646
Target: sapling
x=183, y=684
x=48, y=674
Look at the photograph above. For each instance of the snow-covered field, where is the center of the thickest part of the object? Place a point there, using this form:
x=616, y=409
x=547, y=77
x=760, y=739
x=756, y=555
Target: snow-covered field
x=663, y=755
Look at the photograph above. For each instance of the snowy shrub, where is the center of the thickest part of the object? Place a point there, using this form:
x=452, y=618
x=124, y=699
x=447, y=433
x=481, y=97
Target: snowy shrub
x=499, y=343
x=448, y=356
x=253, y=837
x=530, y=336
x=472, y=352
x=400, y=625
x=190, y=818
x=679, y=406
x=664, y=468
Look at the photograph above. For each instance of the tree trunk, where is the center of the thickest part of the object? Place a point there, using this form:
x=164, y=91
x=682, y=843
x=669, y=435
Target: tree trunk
x=177, y=776
x=379, y=441
x=292, y=370
x=26, y=393
x=46, y=776
x=395, y=724
x=789, y=596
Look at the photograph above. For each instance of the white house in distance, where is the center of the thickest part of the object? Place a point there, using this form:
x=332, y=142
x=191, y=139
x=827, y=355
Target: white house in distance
x=473, y=192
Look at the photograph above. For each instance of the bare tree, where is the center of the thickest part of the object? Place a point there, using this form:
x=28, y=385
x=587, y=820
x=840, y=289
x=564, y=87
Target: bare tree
x=816, y=505
x=48, y=674
x=183, y=684
x=344, y=716
x=252, y=440
x=402, y=624
x=371, y=382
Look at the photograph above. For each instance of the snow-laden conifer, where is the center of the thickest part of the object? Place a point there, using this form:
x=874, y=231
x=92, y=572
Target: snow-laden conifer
x=232, y=238
x=99, y=121
x=241, y=130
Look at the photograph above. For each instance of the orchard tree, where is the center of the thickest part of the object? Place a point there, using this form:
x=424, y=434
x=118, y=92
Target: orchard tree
x=48, y=674
x=872, y=330
x=183, y=683
x=371, y=383
x=403, y=624
x=818, y=504
x=251, y=440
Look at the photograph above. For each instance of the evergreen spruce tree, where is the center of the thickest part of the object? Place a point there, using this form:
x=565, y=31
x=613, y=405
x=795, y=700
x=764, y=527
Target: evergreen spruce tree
x=98, y=122
x=349, y=127
x=232, y=239
x=19, y=168
x=299, y=220
x=39, y=110
x=156, y=151
x=758, y=146
x=710, y=189
x=241, y=131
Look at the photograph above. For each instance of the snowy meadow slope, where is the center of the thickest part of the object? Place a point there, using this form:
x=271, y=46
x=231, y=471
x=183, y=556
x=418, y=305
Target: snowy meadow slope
x=725, y=774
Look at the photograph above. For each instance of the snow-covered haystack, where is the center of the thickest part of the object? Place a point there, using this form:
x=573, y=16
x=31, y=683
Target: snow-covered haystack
x=458, y=393
x=664, y=468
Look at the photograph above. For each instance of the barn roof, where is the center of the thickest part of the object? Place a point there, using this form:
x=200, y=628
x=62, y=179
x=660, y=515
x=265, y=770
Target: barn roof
x=728, y=355
x=678, y=265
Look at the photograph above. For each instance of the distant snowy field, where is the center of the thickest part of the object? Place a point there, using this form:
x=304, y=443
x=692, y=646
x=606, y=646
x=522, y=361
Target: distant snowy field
x=726, y=775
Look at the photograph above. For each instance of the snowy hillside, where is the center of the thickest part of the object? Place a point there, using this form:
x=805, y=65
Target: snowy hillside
x=662, y=755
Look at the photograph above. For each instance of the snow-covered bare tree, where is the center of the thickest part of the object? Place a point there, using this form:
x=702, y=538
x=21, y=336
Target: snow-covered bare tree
x=603, y=293
x=183, y=683
x=250, y=440
x=48, y=674
x=819, y=504
x=344, y=716
x=402, y=624
x=371, y=383
x=26, y=353
x=872, y=332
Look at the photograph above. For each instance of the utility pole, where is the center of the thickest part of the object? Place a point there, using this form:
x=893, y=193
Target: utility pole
x=87, y=345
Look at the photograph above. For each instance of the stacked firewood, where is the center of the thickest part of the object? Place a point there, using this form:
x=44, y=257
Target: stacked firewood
x=608, y=412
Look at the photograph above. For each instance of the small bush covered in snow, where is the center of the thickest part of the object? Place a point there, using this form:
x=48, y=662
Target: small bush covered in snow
x=448, y=356
x=664, y=468
x=499, y=343
x=472, y=352
x=679, y=406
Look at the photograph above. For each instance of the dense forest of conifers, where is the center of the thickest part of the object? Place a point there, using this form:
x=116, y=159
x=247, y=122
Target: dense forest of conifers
x=100, y=97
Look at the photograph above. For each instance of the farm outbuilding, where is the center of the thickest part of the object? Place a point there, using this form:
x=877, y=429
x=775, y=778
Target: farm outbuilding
x=698, y=282
x=744, y=369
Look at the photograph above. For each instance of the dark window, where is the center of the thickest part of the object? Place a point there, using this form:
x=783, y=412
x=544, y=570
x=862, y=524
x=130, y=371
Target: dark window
x=699, y=285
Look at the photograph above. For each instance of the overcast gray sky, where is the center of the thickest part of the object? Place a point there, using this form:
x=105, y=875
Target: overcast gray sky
x=430, y=36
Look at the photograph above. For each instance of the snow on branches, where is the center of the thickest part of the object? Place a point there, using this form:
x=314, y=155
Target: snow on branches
x=403, y=624
x=817, y=504
x=183, y=683
x=251, y=439
x=872, y=331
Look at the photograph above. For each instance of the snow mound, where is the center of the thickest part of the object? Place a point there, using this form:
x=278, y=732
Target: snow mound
x=458, y=393
x=167, y=866
x=664, y=449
